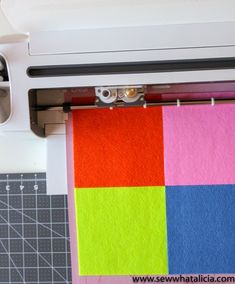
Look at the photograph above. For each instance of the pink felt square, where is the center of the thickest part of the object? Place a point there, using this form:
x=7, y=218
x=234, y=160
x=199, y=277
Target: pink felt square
x=199, y=145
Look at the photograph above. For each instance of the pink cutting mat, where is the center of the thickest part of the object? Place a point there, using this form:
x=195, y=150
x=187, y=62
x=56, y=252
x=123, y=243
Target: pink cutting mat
x=199, y=127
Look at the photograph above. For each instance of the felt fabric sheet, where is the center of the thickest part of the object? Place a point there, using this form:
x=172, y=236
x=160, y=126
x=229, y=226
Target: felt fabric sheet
x=201, y=229
x=199, y=145
x=125, y=228
x=187, y=152
x=118, y=148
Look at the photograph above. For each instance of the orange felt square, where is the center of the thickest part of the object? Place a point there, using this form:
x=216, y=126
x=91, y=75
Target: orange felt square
x=122, y=147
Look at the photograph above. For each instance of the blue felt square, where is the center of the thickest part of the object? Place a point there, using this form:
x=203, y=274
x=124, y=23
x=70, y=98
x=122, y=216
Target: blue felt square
x=201, y=229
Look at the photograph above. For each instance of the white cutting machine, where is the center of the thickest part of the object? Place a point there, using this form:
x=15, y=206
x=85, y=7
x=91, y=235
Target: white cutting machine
x=59, y=55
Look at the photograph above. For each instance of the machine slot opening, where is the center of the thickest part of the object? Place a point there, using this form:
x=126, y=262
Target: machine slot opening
x=131, y=67
x=50, y=106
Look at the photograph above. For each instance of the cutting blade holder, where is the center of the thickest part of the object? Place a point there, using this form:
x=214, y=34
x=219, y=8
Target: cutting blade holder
x=58, y=102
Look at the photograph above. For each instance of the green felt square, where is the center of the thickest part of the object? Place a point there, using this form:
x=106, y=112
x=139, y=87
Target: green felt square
x=121, y=231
